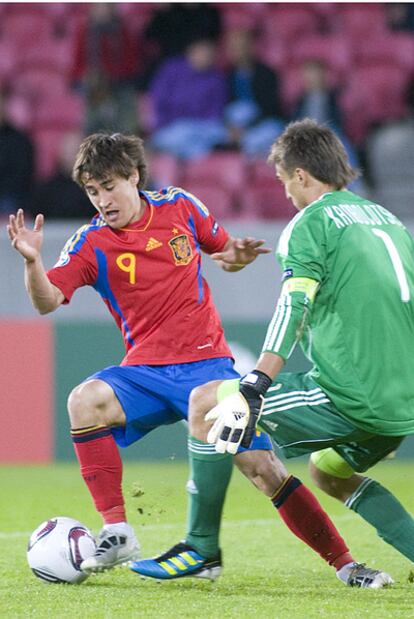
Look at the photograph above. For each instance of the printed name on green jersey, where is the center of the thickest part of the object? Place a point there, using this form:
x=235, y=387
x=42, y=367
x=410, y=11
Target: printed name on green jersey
x=369, y=214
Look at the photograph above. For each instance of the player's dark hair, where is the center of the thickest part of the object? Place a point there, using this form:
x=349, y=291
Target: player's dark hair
x=102, y=154
x=315, y=148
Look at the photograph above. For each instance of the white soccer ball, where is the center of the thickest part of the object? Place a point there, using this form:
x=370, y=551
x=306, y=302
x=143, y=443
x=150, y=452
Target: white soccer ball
x=57, y=548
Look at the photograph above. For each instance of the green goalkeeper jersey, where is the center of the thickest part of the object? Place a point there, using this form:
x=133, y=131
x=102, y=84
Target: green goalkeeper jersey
x=360, y=329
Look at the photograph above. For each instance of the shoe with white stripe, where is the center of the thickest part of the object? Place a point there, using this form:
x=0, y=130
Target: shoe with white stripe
x=181, y=560
x=116, y=546
x=367, y=578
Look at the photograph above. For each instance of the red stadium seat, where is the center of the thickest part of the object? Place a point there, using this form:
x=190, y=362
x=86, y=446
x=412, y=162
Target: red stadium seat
x=20, y=112
x=261, y=173
x=40, y=82
x=291, y=86
x=374, y=94
x=389, y=47
x=7, y=61
x=272, y=51
x=47, y=142
x=290, y=22
x=216, y=198
x=225, y=169
x=335, y=51
x=24, y=28
x=54, y=53
x=362, y=20
x=236, y=15
x=60, y=110
x=266, y=201
x=164, y=170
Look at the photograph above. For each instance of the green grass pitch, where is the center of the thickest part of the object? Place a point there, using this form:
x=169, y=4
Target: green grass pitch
x=268, y=572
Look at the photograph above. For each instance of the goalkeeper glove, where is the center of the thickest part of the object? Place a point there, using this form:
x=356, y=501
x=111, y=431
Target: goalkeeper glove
x=237, y=414
x=253, y=387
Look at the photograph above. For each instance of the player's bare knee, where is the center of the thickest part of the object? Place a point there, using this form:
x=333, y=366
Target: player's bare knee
x=263, y=469
x=202, y=399
x=337, y=487
x=88, y=404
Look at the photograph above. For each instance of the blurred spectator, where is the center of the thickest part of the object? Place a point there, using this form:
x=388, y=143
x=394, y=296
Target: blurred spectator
x=105, y=69
x=318, y=100
x=400, y=16
x=254, y=116
x=175, y=25
x=16, y=163
x=188, y=96
x=60, y=197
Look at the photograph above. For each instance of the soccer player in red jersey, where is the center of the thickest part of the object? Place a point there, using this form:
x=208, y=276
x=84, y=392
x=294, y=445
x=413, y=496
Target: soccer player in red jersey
x=142, y=253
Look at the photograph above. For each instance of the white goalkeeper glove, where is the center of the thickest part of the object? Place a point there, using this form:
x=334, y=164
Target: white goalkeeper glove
x=237, y=415
x=230, y=417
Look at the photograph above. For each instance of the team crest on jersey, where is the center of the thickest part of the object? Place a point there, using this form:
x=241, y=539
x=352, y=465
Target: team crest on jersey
x=181, y=249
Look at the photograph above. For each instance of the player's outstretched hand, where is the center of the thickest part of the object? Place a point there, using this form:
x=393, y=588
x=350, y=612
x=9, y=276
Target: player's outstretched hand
x=27, y=242
x=230, y=417
x=240, y=252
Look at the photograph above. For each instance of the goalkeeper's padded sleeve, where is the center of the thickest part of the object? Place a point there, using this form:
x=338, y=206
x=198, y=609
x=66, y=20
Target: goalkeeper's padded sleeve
x=289, y=319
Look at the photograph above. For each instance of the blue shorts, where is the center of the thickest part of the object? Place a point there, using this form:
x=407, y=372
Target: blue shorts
x=157, y=395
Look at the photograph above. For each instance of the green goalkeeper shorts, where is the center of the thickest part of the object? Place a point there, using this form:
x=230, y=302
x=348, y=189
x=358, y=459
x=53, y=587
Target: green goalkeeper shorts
x=300, y=419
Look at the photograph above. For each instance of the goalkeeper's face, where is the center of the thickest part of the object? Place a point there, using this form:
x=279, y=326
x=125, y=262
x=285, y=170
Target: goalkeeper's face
x=295, y=186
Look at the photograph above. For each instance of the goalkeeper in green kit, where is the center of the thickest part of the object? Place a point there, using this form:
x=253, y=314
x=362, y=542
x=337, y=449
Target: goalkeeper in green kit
x=348, y=298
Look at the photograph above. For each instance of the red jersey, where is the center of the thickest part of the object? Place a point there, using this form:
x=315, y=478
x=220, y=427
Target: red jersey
x=149, y=276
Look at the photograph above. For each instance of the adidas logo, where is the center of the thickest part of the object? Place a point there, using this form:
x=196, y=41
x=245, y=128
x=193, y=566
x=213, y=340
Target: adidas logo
x=152, y=244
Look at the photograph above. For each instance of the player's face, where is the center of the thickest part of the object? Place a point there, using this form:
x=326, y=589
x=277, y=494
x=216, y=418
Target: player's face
x=116, y=199
x=294, y=186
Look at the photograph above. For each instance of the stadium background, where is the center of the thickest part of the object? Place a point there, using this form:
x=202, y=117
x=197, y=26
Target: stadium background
x=43, y=358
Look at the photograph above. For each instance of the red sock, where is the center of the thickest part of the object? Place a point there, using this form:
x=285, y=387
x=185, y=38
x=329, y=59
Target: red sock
x=101, y=468
x=304, y=516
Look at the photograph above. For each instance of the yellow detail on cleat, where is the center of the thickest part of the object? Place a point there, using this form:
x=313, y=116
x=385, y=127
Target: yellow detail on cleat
x=168, y=568
x=189, y=558
x=176, y=561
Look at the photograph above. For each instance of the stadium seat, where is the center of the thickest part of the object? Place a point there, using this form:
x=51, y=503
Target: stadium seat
x=386, y=47
x=7, y=61
x=54, y=53
x=335, y=51
x=358, y=20
x=236, y=15
x=216, y=198
x=225, y=169
x=290, y=22
x=40, y=82
x=20, y=112
x=266, y=201
x=47, y=143
x=291, y=82
x=272, y=51
x=164, y=170
x=374, y=94
x=21, y=28
x=136, y=15
x=60, y=110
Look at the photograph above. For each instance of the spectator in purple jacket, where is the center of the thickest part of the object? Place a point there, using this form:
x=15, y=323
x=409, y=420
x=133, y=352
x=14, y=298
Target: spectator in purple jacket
x=189, y=96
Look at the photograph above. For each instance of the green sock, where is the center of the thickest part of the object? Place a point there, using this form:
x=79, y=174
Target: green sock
x=210, y=476
x=381, y=509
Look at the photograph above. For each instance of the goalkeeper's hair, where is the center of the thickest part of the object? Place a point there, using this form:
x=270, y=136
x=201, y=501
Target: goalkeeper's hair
x=315, y=148
x=103, y=154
